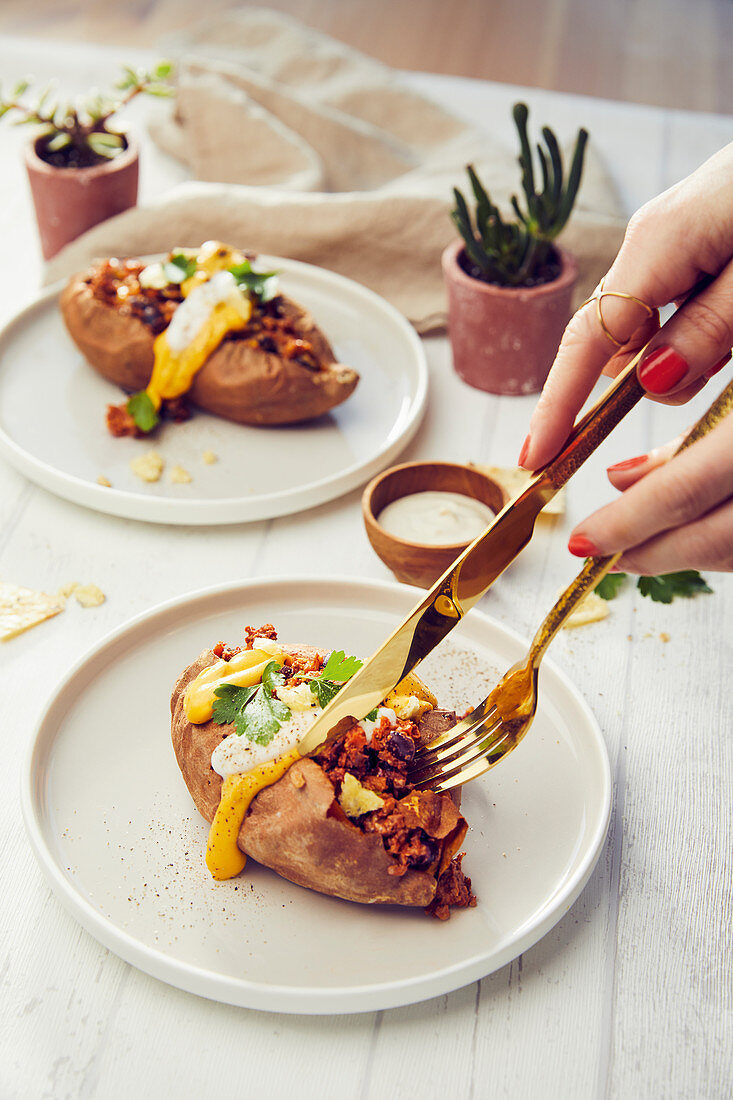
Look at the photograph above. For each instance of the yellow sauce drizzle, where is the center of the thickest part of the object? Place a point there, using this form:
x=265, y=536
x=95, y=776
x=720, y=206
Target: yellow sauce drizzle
x=174, y=371
x=243, y=670
x=223, y=857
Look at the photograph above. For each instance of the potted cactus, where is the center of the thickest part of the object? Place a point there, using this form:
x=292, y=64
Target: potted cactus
x=81, y=168
x=509, y=283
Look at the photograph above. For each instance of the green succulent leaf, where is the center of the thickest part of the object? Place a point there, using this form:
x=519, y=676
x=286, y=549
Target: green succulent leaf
x=511, y=253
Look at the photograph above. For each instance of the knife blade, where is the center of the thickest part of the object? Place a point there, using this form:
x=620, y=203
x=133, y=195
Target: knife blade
x=473, y=573
x=434, y=617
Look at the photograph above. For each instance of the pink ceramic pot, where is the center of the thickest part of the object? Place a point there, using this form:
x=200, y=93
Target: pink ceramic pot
x=504, y=339
x=69, y=201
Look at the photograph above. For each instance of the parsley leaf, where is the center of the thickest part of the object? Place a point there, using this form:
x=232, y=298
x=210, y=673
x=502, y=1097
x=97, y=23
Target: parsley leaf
x=340, y=667
x=179, y=268
x=664, y=588
x=254, y=711
x=610, y=585
x=143, y=412
x=229, y=703
x=324, y=690
x=259, y=284
x=337, y=670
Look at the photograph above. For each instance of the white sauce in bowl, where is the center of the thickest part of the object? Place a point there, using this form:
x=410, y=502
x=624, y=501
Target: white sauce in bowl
x=435, y=518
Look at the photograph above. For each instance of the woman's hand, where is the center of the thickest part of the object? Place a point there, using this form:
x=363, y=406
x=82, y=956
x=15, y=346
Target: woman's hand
x=673, y=514
x=676, y=514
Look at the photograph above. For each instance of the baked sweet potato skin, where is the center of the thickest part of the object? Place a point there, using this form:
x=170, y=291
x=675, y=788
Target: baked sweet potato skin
x=296, y=826
x=237, y=382
x=117, y=347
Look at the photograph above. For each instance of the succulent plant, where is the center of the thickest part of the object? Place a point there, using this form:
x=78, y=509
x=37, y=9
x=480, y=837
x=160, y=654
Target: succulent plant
x=78, y=134
x=518, y=252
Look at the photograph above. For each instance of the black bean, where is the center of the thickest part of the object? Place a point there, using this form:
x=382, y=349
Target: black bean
x=432, y=850
x=401, y=745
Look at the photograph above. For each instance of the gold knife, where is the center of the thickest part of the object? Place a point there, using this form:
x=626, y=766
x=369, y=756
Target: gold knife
x=473, y=573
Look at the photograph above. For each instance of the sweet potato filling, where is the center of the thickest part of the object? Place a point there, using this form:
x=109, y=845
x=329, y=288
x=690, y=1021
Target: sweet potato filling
x=414, y=825
x=270, y=329
x=420, y=830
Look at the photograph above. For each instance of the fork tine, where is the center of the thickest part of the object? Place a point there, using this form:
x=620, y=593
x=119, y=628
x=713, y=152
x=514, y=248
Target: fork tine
x=464, y=728
x=432, y=754
x=473, y=772
x=463, y=755
x=476, y=760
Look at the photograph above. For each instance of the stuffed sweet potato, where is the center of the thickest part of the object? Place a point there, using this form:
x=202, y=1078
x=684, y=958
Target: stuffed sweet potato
x=216, y=334
x=344, y=822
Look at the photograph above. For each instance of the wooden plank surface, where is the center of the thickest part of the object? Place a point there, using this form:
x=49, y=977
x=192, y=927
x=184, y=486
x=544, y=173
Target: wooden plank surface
x=671, y=53
x=629, y=995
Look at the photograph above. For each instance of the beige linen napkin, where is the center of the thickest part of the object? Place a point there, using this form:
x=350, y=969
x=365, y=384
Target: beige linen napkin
x=305, y=148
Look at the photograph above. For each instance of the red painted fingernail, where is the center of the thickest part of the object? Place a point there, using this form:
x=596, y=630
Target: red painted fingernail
x=627, y=464
x=582, y=547
x=523, y=452
x=662, y=369
x=718, y=366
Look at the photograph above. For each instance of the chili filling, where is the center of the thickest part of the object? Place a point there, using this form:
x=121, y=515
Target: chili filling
x=117, y=284
x=381, y=765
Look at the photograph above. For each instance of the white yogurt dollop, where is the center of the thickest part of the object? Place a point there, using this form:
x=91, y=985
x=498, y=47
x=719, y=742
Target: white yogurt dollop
x=194, y=311
x=382, y=712
x=435, y=518
x=237, y=754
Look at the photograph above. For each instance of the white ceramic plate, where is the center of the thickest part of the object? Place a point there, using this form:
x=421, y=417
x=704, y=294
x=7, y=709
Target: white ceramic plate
x=117, y=835
x=52, y=409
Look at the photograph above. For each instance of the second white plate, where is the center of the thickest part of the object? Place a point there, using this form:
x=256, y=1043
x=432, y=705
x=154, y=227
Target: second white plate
x=52, y=408
x=118, y=837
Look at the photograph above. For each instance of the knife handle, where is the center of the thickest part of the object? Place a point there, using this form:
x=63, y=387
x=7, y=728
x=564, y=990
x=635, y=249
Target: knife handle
x=590, y=431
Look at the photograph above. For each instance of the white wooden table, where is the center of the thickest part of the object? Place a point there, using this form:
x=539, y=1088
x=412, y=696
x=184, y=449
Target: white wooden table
x=630, y=994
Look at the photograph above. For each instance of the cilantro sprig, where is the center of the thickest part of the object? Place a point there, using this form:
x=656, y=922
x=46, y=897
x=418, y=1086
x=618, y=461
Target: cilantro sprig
x=179, y=268
x=143, y=411
x=610, y=585
x=255, y=712
x=337, y=670
x=660, y=589
x=664, y=588
x=259, y=284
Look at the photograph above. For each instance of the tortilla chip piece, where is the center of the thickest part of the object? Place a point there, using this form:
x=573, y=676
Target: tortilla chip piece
x=22, y=608
x=513, y=479
x=591, y=609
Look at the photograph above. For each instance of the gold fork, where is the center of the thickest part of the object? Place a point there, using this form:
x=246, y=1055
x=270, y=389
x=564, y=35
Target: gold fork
x=497, y=725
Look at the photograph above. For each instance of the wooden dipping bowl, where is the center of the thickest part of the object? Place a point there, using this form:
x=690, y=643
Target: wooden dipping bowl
x=414, y=562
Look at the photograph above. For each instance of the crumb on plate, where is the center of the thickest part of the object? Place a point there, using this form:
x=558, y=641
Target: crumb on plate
x=180, y=475
x=210, y=458
x=89, y=595
x=148, y=466
x=102, y=480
